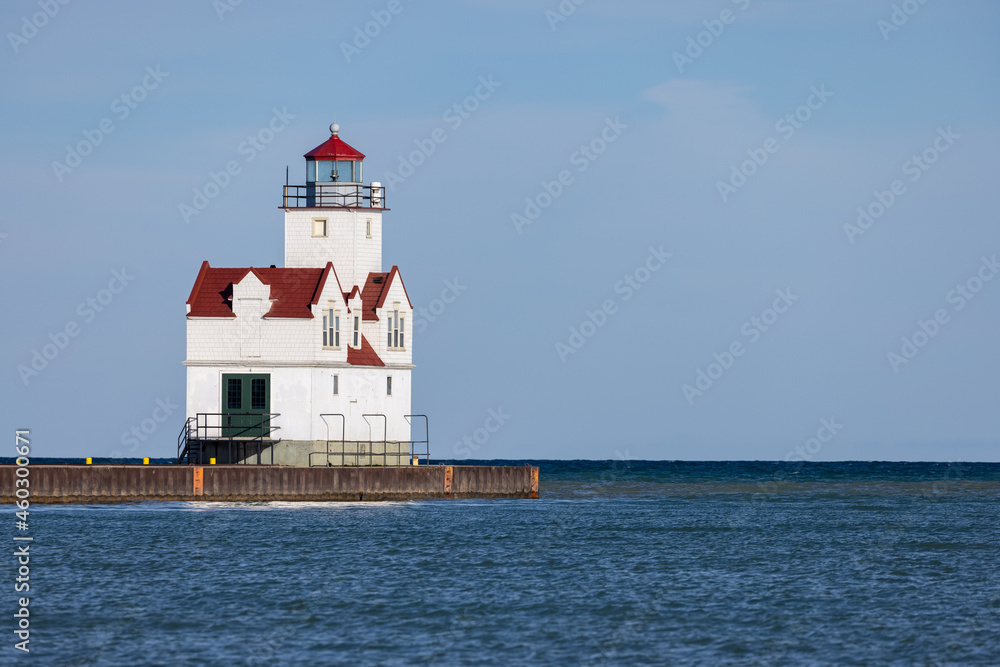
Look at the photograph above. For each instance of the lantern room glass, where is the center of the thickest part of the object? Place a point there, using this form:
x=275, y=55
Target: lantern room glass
x=335, y=171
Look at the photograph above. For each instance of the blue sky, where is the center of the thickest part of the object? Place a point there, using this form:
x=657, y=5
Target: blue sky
x=639, y=386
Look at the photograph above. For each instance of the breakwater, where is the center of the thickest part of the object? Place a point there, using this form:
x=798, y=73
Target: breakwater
x=87, y=484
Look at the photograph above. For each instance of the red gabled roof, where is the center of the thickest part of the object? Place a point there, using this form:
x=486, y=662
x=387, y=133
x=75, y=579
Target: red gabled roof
x=374, y=294
x=366, y=356
x=393, y=274
x=335, y=148
x=371, y=294
x=293, y=291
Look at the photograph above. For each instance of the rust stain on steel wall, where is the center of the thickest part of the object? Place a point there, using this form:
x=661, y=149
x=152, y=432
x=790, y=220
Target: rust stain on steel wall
x=534, y=482
x=198, y=488
x=449, y=474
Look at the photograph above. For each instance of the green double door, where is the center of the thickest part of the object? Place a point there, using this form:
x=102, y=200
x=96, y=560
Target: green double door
x=246, y=403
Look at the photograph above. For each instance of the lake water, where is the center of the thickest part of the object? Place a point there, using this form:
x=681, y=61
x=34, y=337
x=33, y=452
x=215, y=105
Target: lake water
x=621, y=563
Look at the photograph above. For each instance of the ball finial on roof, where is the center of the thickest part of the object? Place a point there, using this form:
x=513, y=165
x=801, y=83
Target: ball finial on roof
x=334, y=129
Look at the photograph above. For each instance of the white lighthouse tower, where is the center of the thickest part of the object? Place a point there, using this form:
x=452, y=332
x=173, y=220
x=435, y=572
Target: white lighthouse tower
x=334, y=217
x=307, y=364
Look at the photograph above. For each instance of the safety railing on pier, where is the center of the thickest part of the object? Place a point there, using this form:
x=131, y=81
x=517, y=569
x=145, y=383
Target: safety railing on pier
x=239, y=432
x=369, y=452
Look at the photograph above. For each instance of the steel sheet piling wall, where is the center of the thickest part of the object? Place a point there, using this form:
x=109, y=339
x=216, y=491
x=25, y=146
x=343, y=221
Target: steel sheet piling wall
x=82, y=484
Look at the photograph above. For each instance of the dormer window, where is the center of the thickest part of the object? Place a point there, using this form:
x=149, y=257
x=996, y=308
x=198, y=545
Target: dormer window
x=397, y=329
x=331, y=329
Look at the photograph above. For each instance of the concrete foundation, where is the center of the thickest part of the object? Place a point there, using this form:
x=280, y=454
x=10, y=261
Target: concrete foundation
x=311, y=453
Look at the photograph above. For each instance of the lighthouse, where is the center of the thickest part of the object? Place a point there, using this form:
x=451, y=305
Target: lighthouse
x=308, y=364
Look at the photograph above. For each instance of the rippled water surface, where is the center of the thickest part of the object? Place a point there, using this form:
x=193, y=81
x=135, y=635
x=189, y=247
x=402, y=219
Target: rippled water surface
x=617, y=563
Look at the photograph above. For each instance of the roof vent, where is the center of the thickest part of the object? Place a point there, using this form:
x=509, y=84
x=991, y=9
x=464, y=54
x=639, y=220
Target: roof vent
x=273, y=266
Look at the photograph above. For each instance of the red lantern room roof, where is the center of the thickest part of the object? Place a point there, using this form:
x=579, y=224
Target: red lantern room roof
x=334, y=148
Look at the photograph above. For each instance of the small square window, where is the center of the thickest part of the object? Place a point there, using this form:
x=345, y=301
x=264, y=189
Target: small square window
x=320, y=228
x=388, y=385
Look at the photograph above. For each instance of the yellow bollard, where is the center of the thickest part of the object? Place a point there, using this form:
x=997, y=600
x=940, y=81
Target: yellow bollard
x=145, y=461
x=211, y=462
x=89, y=460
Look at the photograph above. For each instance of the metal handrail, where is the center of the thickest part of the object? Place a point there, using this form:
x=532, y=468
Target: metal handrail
x=385, y=432
x=366, y=452
x=426, y=441
x=202, y=432
x=197, y=430
x=184, y=438
x=343, y=428
x=333, y=195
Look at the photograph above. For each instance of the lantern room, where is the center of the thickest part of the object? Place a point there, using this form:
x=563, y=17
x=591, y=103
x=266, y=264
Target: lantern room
x=334, y=161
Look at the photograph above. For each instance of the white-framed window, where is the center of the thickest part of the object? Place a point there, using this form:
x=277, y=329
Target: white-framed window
x=396, y=331
x=336, y=385
x=357, y=331
x=388, y=385
x=320, y=228
x=331, y=329
x=368, y=228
